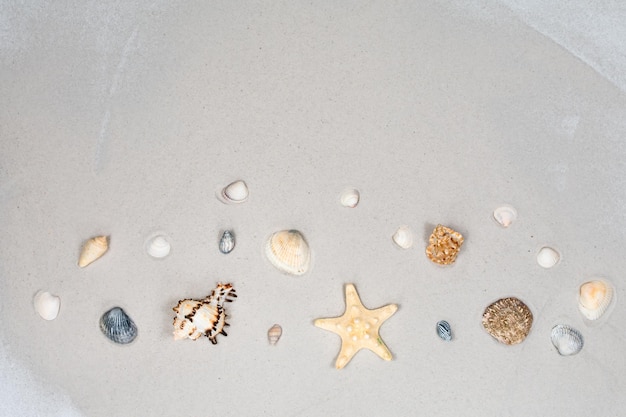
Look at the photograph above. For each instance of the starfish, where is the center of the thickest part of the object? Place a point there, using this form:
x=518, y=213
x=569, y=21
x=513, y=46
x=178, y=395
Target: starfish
x=358, y=328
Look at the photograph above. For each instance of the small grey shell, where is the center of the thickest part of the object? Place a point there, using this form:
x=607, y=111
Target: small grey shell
x=117, y=326
x=567, y=340
x=444, y=331
x=227, y=242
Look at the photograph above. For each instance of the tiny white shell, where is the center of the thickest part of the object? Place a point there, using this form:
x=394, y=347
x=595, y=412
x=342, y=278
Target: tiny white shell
x=505, y=215
x=350, y=198
x=288, y=251
x=403, y=237
x=567, y=340
x=92, y=250
x=547, y=257
x=158, y=247
x=274, y=333
x=227, y=242
x=594, y=298
x=47, y=305
x=234, y=193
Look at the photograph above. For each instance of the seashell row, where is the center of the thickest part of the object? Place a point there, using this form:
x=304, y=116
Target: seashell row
x=505, y=216
x=159, y=247
x=92, y=250
x=547, y=257
x=403, y=237
x=350, y=198
x=567, y=340
x=289, y=252
x=234, y=193
x=227, y=242
x=595, y=297
x=118, y=327
x=444, y=245
x=274, y=333
x=47, y=305
x=508, y=320
x=207, y=317
x=444, y=330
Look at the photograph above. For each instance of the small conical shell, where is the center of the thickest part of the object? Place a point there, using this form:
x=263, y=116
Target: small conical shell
x=234, y=193
x=227, y=242
x=274, y=333
x=594, y=299
x=159, y=247
x=117, y=326
x=505, y=215
x=93, y=249
x=444, y=330
x=288, y=251
x=566, y=340
x=47, y=305
x=403, y=237
x=350, y=198
x=547, y=257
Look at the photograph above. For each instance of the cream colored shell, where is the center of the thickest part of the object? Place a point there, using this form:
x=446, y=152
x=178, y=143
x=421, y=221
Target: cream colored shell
x=274, y=333
x=92, y=250
x=350, y=198
x=403, y=237
x=234, y=193
x=289, y=252
x=47, y=305
x=594, y=299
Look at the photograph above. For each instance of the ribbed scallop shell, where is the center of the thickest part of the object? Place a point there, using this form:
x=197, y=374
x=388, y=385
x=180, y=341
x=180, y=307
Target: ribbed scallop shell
x=508, y=320
x=92, y=250
x=227, y=242
x=158, y=247
x=117, y=326
x=567, y=340
x=288, y=251
x=274, y=333
x=444, y=330
x=594, y=299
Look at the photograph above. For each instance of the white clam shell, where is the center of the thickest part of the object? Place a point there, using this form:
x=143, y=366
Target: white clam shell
x=547, y=257
x=47, y=305
x=158, y=247
x=92, y=250
x=403, y=237
x=350, y=198
x=289, y=252
x=567, y=340
x=234, y=193
x=594, y=299
x=274, y=333
x=505, y=215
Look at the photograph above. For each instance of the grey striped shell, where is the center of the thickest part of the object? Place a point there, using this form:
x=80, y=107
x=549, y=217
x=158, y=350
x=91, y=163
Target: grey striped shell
x=567, y=340
x=117, y=326
x=444, y=331
x=227, y=242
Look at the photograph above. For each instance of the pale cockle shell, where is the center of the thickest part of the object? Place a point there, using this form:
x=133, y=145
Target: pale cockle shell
x=444, y=330
x=159, y=247
x=508, y=320
x=403, y=237
x=547, y=257
x=567, y=340
x=505, y=215
x=93, y=249
x=594, y=298
x=350, y=198
x=118, y=327
x=234, y=193
x=274, y=333
x=288, y=251
x=47, y=305
x=227, y=242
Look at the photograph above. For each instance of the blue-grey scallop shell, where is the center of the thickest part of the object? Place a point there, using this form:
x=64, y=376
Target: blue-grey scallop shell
x=567, y=340
x=444, y=331
x=117, y=326
x=227, y=242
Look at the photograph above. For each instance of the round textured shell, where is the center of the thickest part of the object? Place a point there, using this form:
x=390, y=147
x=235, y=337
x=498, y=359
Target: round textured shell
x=508, y=320
x=567, y=340
x=117, y=326
x=444, y=330
x=288, y=251
x=594, y=299
x=444, y=245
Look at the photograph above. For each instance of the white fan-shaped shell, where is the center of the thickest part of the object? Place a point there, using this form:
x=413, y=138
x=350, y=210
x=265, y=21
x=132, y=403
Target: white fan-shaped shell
x=92, y=250
x=350, y=198
x=403, y=237
x=234, y=193
x=274, y=333
x=159, y=247
x=288, y=251
x=505, y=215
x=47, y=305
x=594, y=298
x=547, y=257
x=566, y=340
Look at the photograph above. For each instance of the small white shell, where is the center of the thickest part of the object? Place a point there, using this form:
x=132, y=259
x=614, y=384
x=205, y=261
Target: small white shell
x=505, y=215
x=92, y=250
x=47, y=305
x=227, y=242
x=234, y=193
x=158, y=247
x=350, y=198
x=403, y=237
x=566, y=340
x=547, y=257
x=594, y=298
x=288, y=251
x=274, y=333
